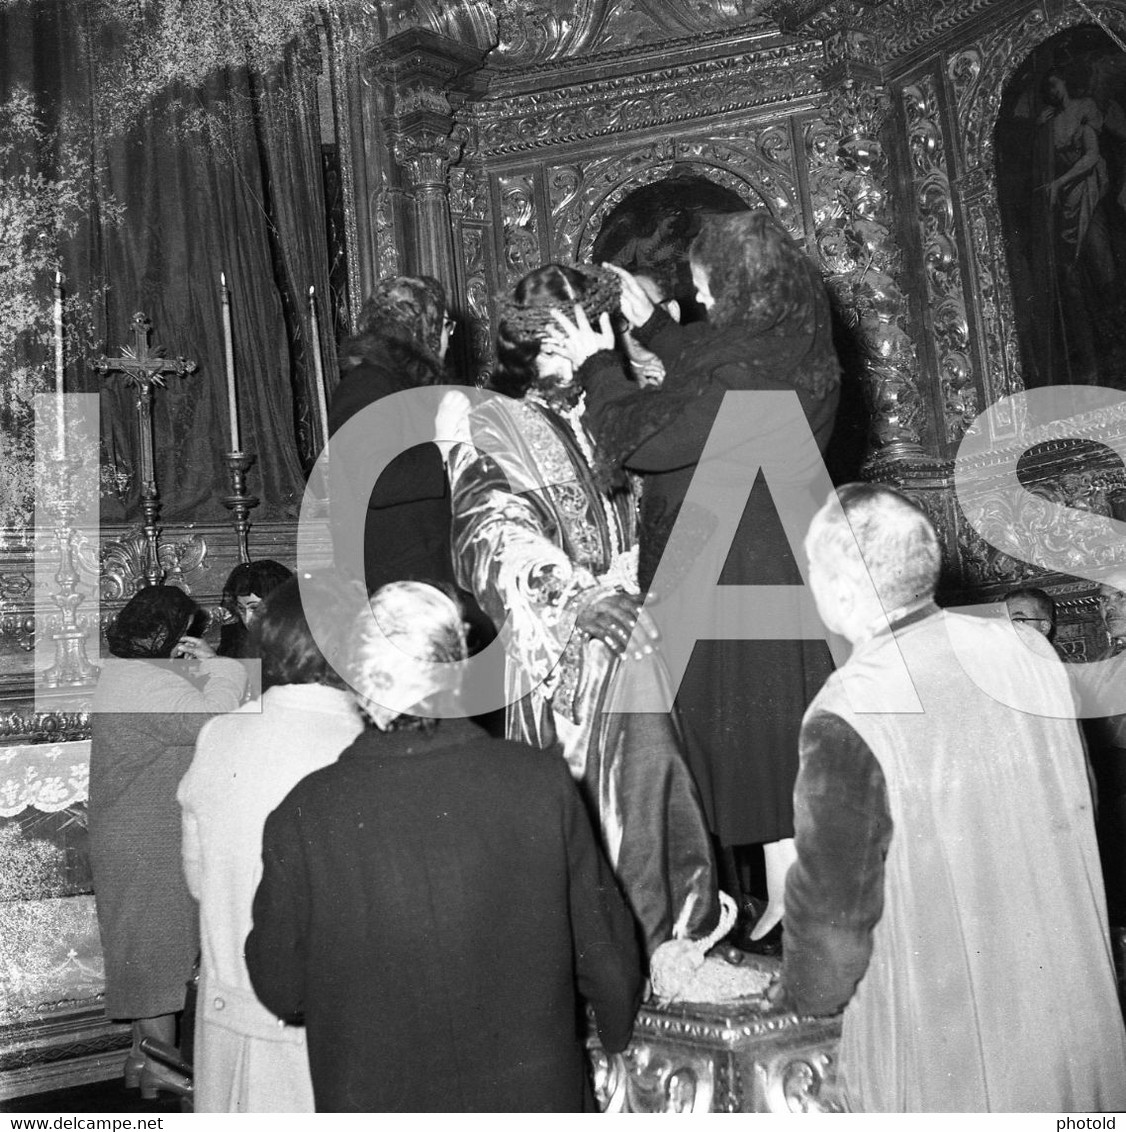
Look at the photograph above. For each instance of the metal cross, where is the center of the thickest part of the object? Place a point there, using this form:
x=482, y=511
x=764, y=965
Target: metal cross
x=143, y=368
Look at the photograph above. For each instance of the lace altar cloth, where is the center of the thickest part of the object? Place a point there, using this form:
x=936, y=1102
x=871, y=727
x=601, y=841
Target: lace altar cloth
x=47, y=776
x=50, y=956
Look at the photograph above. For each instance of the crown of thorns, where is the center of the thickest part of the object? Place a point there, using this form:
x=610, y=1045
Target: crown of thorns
x=531, y=323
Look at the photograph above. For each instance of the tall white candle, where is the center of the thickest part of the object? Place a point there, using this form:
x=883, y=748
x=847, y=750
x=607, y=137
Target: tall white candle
x=318, y=364
x=60, y=390
x=229, y=359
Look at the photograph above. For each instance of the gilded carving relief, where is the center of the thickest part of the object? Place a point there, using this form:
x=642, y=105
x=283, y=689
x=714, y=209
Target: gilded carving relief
x=759, y=170
x=520, y=225
x=664, y=96
x=934, y=208
x=848, y=177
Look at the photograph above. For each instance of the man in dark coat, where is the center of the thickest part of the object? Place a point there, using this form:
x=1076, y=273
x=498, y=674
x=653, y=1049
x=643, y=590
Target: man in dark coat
x=436, y=908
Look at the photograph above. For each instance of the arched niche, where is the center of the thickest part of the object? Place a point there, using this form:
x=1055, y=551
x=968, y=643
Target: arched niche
x=980, y=77
x=758, y=170
x=1060, y=152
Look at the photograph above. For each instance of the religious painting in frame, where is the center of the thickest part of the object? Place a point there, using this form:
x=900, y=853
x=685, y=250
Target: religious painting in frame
x=1060, y=144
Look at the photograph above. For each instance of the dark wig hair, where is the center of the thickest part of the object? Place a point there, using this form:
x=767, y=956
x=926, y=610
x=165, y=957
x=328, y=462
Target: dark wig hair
x=765, y=284
x=401, y=323
x=518, y=346
x=260, y=577
x=281, y=637
x=152, y=621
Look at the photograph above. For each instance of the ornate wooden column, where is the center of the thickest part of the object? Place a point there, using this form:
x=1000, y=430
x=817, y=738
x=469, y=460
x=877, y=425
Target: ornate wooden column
x=423, y=71
x=859, y=246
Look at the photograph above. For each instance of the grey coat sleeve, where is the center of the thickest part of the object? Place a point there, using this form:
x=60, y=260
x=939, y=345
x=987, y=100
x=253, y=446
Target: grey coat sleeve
x=835, y=889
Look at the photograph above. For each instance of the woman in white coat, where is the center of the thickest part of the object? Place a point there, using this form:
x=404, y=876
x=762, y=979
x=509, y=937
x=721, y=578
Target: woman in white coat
x=245, y=764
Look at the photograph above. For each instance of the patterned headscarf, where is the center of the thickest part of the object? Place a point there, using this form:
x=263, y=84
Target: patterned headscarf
x=151, y=623
x=414, y=305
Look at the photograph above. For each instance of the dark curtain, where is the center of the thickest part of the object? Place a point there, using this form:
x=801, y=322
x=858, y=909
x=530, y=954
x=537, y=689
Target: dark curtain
x=222, y=177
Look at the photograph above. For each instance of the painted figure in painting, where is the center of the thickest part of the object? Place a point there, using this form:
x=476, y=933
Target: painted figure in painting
x=1065, y=212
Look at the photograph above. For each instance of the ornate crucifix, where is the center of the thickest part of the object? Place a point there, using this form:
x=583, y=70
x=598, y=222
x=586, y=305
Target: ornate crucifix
x=143, y=368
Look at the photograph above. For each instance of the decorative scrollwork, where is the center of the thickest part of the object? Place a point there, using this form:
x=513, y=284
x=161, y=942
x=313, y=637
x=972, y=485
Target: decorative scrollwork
x=386, y=242
x=477, y=296
x=934, y=212
x=756, y=170
x=805, y=1083
x=46, y=727
x=1049, y=523
x=183, y=561
x=665, y=1079
x=123, y=565
x=778, y=74
x=848, y=178
x=521, y=230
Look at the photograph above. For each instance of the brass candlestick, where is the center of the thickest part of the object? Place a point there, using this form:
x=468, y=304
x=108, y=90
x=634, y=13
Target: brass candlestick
x=238, y=464
x=72, y=667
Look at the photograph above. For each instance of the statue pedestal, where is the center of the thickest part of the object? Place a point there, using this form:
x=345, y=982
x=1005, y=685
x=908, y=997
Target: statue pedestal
x=735, y=1057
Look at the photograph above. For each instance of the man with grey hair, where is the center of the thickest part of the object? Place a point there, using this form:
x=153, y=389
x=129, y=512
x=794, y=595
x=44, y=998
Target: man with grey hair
x=947, y=891
x=434, y=905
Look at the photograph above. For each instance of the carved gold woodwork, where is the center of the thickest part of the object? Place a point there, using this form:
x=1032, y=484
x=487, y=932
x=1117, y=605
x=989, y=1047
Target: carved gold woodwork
x=538, y=33
x=978, y=73
x=739, y=1057
x=854, y=232
x=759, y=75
x=759, y=169
x=422, y=72
x=947, y=320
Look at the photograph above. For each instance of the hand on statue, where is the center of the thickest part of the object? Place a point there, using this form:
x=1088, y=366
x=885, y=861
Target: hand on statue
x=451, y=422
x=577, y=341
x=636, y=304
x=611, y=620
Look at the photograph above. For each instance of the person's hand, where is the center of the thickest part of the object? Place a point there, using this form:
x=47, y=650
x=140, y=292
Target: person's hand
x=611, y=620
x=451, y=422
x=636, y=304
x=775, y=993
x=195, y=648
x=577, y=341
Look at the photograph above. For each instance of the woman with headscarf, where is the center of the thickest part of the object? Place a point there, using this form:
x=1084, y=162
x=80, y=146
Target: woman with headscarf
x=768, y=328
x=148, y=707
x=245, y=763
x=544, y=537
x=404, y=332
x=247, y=587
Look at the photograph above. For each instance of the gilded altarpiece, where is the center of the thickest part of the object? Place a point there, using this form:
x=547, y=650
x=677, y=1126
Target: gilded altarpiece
x=951, y=96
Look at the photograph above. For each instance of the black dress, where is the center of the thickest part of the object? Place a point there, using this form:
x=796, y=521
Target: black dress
x=741, y=702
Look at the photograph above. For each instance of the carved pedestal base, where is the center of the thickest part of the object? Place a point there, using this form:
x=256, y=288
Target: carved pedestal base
x=737, y=1057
